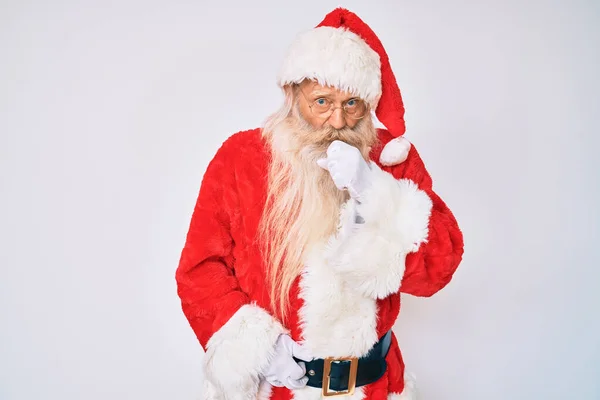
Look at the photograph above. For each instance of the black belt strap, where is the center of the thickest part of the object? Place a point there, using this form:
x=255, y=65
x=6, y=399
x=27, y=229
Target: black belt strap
x=371, y=367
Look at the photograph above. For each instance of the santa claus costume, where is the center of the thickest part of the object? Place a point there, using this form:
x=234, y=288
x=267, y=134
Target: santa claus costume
x=402, y=238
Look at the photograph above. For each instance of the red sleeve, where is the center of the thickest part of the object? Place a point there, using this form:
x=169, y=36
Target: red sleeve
x=206, y=283
x=432, y=266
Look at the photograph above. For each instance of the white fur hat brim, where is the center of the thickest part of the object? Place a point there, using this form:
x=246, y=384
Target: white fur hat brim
x=334, y=57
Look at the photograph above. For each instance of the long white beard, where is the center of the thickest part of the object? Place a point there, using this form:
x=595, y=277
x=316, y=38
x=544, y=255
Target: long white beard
x=303, y=203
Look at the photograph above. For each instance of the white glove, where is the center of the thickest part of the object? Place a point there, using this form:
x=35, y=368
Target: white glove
x=284, y=370
x=347, y=168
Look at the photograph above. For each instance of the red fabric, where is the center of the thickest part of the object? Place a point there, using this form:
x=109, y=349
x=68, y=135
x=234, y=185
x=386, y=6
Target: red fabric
x=390, y=109
x=221, y=268
x=432, y=267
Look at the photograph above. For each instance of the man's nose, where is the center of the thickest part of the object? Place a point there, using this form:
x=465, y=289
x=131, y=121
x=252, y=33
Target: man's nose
x=337, y=119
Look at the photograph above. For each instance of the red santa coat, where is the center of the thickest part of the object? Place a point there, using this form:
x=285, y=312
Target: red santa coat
x=348, y=295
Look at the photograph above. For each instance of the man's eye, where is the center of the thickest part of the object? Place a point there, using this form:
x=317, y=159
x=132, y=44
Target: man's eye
x=321, y=102
x=351, y=102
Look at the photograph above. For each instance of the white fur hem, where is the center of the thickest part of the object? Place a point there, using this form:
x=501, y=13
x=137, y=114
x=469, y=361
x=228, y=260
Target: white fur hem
x=370, y=251
x=237, y=354
x=334, y=57
x=409, y=392
x=410, y=389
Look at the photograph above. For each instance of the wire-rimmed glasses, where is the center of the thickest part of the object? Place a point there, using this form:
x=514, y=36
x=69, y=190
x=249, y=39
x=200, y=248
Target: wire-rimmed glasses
x=322, y=107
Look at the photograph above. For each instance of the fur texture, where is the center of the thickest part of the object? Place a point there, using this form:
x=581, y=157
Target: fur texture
x=303, y=202
x=370, y=256
x=331, y=309
x=264, y=390
x=390, y=108
x=239, y=352
x=395, y=152
x=409, y=392
x=221, y=272
x=334, y=57
x=311, y=393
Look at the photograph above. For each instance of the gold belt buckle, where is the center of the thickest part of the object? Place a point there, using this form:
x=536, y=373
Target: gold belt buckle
x=351, y=378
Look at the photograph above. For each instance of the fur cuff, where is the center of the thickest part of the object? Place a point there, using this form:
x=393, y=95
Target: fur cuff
x=376, y=235
x=238, y=353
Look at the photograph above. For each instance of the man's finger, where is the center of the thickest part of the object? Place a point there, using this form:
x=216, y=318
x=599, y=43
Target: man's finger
x=296, y=384
x=275, y=382
x=303, y=366
x=294, y=370
x=335, y=146
x=301, y=352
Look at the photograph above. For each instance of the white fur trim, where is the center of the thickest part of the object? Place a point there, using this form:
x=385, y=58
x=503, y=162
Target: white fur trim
x=238, y=353
x=264, y=390
x=335, y=321
x=410, y=389
x=395, y=151
x=334, y=57
x=209, y=392
x=370, y=255
x=311, y=393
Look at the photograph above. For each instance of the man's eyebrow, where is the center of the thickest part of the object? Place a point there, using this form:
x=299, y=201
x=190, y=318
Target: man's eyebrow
x=320, y=93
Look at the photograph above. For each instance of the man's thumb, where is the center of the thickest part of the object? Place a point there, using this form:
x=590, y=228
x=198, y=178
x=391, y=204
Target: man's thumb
x=322, y=163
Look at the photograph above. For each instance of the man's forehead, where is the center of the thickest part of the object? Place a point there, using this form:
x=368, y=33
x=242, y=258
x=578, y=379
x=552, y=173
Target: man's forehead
x=315, y=88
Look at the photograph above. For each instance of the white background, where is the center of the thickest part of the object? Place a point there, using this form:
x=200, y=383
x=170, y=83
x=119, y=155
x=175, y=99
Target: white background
x=110, y=112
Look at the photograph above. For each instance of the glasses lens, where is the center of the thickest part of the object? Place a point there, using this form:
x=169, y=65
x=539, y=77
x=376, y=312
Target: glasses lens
x=321, y=106
x=355, y=108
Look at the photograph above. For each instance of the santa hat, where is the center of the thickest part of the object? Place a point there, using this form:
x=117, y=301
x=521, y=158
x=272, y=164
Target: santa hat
x=343, y=52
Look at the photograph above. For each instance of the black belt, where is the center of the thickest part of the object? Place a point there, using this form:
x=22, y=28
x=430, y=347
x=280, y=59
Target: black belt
x=344, y=374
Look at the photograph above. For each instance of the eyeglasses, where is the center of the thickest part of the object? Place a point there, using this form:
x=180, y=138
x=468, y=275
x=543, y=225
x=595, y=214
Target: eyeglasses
x=322, y=107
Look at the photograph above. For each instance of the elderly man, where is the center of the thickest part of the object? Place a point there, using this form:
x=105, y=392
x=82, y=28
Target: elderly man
x=306, y=231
